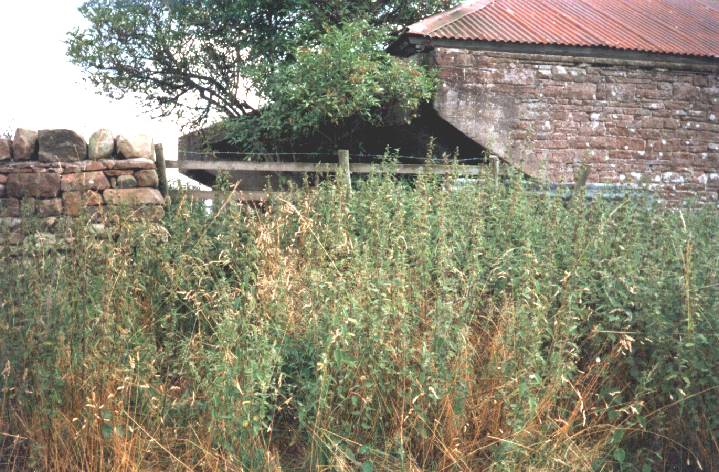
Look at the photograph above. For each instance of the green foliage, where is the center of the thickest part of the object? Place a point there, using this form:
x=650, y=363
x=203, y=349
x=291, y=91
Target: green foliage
x=332, y=86
x=204, y=57
x=404, y=327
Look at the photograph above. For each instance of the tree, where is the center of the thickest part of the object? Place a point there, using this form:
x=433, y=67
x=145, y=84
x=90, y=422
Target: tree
x=201, y=58
x=333, y=87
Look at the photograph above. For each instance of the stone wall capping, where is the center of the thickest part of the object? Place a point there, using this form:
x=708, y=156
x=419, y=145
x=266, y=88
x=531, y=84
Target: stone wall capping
x=101, y=145
x=133, y=147
x=61, y=145
x=24, y=145
x=5, y=149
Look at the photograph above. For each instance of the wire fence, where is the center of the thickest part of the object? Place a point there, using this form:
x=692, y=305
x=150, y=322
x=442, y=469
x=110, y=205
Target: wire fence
x=328, y=155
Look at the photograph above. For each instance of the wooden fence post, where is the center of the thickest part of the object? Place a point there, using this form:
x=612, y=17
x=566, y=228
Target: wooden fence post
x=161, y=169
x=343, y=168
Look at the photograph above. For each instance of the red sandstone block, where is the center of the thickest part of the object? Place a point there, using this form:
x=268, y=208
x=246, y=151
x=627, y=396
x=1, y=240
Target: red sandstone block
x=701, y=81
x=33, y=166
x=134, y=164
x=524, y=124
x=49, y=207
x=482, y=60
x=623, y=131
x=651, y=122
x=84, y=181
x=560, y=115
x=624, y=155
x=593, y=129
x=74, y=202
x=665, y=145
x=117, y=173
x=129, y=164
x=450, y=74
x=650, y=134
x=517, y=135
x=147, y=178
x=670, y=123
x=619, y=92
x=9, y=207
x=604, y=142
x=562, y=156
x=580, y=142
x=685, y=91
x=553, y=144
x=133, y=196
x=42, y=185
x=566, y=127
x=553, y=90
x=586, y=91
x=82, y=166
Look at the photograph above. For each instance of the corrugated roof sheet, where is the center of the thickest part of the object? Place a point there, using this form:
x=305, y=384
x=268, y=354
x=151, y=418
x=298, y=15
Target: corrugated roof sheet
x=684, y=27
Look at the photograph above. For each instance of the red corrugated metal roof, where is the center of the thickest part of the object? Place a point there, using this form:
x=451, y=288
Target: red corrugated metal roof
x=685, y=27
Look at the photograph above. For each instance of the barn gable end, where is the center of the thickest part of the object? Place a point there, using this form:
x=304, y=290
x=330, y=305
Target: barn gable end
x=550, y=97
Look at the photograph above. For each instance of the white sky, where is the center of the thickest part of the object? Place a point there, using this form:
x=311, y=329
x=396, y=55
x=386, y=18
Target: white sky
x=41, y=89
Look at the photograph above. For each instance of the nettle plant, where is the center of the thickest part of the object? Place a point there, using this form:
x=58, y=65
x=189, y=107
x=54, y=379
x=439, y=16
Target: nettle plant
x=409, y=325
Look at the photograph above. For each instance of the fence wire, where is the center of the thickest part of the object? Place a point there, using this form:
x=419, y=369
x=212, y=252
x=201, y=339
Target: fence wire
x=420, y=159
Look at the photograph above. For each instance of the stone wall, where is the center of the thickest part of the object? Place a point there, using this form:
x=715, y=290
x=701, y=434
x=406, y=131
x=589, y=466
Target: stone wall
x=54, y=174
x=634, y=123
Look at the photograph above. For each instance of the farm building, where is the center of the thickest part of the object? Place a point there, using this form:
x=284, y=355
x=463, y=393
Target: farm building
x=629, y=88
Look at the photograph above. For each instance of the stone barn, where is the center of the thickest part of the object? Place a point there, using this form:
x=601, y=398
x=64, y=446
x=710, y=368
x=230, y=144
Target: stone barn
x=629, y=88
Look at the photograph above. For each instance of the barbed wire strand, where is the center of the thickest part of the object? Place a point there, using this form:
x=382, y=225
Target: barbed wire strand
x=331, y=155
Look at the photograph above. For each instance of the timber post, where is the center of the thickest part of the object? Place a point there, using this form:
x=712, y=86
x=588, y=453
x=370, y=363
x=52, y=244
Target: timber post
x=161, y=169
x=343, y=168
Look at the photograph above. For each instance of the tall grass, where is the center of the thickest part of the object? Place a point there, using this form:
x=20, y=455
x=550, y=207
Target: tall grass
x=404, y=327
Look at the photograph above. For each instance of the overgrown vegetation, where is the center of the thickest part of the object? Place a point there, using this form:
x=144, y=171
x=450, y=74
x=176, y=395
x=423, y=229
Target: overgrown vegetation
x=404, y=327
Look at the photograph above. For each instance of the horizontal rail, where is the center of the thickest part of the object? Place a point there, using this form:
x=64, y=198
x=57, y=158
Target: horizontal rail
x=360, y=168
x=256, y=166
x=363, y=168
x=240, y=196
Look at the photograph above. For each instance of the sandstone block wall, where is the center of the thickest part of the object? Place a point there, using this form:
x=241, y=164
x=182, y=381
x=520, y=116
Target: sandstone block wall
x=635, y=124
x=54, y=174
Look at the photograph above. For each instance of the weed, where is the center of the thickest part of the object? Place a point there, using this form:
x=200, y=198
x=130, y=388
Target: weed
x=402, y=327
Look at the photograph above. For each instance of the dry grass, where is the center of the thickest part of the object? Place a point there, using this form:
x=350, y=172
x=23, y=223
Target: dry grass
x=402, y=328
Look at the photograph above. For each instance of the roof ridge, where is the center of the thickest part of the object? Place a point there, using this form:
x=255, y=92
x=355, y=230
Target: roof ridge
x=440, y=20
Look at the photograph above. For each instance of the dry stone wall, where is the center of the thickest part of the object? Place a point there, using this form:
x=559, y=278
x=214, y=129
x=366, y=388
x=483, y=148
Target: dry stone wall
x=55, y=174
x=645, y=124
